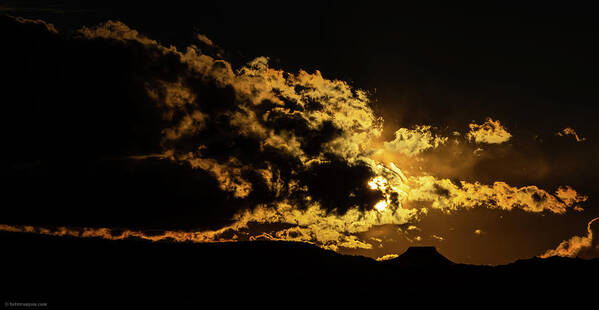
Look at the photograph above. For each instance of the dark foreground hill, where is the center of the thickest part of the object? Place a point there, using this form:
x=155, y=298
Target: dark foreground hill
x=64, y=269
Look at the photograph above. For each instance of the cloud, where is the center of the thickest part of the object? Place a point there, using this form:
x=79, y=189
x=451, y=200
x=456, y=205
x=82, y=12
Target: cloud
x=117, y=234
x=450, y=195
x=438, y=238
x=414, y=141
x=36, y=23
x=204, y=39
x=571, y=132
x=584, y=247
x=387, y=257
x=116, y=30
x=490, y=131
x=180, y=135
x=269, y=139
x=568, y=195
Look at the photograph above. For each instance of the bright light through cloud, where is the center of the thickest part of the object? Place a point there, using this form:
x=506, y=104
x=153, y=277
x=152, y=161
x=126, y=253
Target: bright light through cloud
x=284, y=156
x=381, y=205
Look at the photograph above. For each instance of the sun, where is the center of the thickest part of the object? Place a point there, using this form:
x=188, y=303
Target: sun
x=381, y=205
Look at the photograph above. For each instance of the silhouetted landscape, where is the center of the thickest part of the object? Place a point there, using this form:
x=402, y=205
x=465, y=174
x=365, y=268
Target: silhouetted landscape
x=315, y=155
x=64, y=269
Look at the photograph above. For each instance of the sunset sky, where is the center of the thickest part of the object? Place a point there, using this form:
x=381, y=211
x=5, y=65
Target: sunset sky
x=363, y=129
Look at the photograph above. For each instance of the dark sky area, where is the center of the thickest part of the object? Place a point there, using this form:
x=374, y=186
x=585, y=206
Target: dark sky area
x=532, y=67
x=511, y=60
x=434, y=63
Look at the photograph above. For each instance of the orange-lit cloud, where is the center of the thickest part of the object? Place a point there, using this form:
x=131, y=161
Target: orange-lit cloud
x=447, y=195
x=569, y=196
x=118, y=234
x=204, y=39
x=387, y=257
x=301, y=151
x=49, y=27
x=490, y=131
x=570, y=132
x=414, y=141
x=586, y=247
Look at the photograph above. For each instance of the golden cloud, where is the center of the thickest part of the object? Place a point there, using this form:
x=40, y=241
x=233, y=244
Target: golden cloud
x=310, y=121
x=450, y=196
x=576, y=245
x=387, y=257
x=490, y=131
x=49, y=27
x=414, y=141
x=571, y=132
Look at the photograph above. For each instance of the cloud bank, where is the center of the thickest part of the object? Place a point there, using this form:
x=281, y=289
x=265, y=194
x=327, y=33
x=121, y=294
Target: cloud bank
x=238, y=147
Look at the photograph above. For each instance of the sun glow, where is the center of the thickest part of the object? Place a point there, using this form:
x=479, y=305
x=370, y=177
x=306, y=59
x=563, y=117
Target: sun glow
x=379, y=183
x=381, y=205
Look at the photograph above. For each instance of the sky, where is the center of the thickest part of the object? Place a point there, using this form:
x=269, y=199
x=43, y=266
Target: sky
x=363, y=129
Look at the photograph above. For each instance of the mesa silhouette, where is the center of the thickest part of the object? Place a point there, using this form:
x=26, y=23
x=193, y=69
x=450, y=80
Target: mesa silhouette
x=55, y=268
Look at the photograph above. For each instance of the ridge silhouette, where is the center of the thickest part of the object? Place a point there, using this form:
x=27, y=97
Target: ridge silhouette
x=58, y=269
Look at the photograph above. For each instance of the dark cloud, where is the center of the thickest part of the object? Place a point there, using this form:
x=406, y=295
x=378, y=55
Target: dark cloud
x=340, y=186
x=108, y=127
x=74, y=110
x=115, y=193
x=72, y=98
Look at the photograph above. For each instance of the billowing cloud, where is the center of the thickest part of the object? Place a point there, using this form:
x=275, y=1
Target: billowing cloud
x=387, y=257
x=584, y=247
x=255, y=123
x=449, y=195
x=569, y=195
x=254, y=146
x=490, y=131
x=570, y=132
x=36, y=22
x=414, y=141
